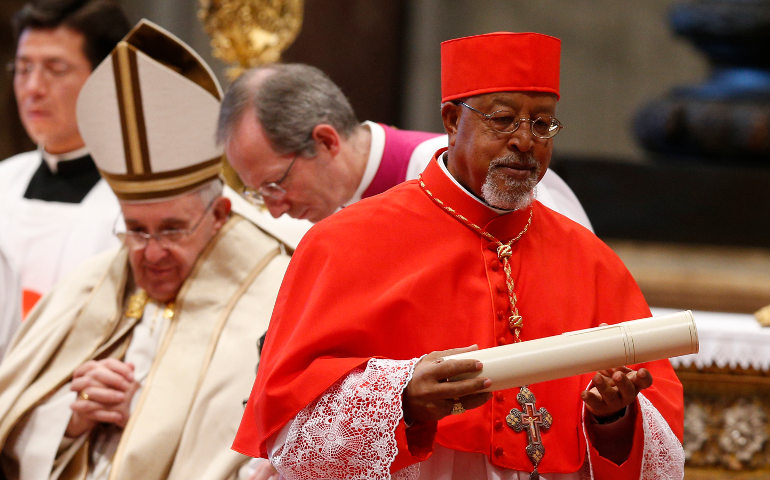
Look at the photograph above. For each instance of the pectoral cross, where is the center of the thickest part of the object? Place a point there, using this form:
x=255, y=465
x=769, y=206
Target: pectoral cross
x=530, y=420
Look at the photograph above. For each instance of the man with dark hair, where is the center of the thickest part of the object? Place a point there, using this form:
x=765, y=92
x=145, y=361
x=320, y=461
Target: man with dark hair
x=54, y=210
x=294, y=139
x=102, y=23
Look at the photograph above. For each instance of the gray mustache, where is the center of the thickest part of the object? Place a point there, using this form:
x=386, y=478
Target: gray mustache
x=514, y=160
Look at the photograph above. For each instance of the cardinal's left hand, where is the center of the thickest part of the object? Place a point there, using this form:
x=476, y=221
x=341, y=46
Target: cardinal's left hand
x=614, y=389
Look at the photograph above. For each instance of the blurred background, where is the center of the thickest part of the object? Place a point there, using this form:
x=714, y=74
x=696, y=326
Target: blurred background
x=701, y=183
x=385, y=56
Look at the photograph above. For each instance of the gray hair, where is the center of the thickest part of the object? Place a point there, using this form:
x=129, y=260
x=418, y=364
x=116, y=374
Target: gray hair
x=289, y=102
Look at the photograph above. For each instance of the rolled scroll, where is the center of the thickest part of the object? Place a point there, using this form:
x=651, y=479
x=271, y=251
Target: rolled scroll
x=583, y=351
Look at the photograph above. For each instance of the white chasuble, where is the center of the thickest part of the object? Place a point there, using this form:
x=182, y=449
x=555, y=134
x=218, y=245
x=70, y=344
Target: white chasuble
x=196, y=369
x=40, y=438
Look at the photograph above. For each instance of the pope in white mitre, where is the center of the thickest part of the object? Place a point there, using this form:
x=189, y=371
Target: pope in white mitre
x=137, y=366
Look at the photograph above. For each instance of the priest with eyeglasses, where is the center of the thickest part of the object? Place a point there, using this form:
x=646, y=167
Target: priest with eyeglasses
x=137, y=365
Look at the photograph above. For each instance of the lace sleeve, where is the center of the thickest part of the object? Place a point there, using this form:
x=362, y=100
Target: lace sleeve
x=663, y=453
x=350, y=430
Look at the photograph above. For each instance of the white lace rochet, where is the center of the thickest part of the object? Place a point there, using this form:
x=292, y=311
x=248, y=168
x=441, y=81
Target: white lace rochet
x=663, y=455
x=349, y=431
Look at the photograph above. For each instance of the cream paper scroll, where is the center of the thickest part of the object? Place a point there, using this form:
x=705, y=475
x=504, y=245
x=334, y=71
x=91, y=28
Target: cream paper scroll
x=583, y=351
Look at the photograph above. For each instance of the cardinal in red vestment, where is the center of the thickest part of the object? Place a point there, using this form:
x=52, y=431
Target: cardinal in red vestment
x=353, y=382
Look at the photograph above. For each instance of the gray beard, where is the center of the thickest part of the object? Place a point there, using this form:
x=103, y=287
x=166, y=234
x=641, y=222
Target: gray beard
x=515, y=194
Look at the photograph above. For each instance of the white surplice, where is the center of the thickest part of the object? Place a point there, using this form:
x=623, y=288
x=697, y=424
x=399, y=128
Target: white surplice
x=46, y=240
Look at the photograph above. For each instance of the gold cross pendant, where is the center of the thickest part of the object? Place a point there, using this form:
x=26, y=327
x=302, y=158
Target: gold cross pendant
x=530, y=420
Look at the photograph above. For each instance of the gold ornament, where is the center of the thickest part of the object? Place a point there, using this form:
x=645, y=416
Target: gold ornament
x=247, y=33
x=763, y=316
x=136, y=303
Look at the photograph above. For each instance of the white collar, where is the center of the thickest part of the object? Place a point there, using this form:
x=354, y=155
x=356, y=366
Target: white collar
x=53, y=159
x=376, y=149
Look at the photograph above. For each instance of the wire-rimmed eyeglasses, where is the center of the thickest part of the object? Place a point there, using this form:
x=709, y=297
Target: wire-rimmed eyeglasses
x=505, y=121
x=168, y=238
x=272, y=190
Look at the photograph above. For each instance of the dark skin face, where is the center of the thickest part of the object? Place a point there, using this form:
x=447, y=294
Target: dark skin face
x=484, y=160
x=507, y=161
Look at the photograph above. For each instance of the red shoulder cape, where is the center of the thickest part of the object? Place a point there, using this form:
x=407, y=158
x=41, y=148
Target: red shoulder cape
x=394, y=276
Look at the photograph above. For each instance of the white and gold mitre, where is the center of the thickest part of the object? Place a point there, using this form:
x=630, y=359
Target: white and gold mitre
x=148, y=115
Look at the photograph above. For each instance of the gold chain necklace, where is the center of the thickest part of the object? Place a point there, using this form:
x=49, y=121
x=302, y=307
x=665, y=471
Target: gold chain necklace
x=527, y=419
x=504, y=251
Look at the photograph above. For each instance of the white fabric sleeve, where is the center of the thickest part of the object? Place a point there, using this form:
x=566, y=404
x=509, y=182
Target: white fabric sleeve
x=248, y=469
x=350, y=430
x=10, y=303
x=663, y=455
x=43, y=433
x=423, y=154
